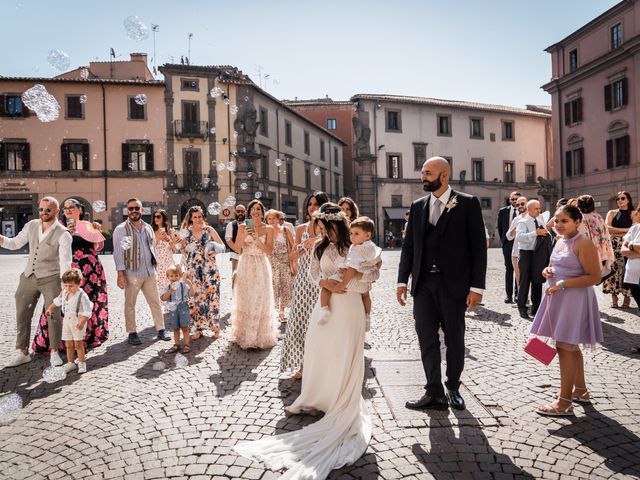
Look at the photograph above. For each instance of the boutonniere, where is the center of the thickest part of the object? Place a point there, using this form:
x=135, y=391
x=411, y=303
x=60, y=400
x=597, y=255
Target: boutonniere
x=452, y=203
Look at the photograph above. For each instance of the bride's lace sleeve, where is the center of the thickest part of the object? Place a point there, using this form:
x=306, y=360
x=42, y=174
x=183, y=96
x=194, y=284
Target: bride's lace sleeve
x=314, y=269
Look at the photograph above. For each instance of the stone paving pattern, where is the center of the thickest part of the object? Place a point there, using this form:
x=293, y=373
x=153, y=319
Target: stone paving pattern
x=123, y=419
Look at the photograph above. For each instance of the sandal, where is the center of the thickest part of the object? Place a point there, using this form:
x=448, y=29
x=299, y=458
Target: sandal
x=186, y=349
x=584, y=398
x=196, y=335
x=626, y=303
x=614, y=301
x=174, y=349
x=551, y=411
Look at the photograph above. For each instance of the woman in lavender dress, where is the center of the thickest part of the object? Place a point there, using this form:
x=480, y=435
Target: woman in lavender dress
x=569, y=312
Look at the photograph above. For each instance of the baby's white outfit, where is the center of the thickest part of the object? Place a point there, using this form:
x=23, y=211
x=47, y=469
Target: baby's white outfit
x=74, y=307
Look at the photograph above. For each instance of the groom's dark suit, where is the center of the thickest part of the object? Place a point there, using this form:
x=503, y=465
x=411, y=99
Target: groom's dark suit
x=444, y=262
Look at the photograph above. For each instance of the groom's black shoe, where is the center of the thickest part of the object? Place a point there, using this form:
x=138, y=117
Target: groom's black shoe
x=455, y=400
x=524, y=314
x=428, y=402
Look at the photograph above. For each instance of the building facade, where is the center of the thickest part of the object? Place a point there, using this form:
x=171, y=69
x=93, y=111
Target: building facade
x=493, y=150
x=595, y=103
x=106, y=145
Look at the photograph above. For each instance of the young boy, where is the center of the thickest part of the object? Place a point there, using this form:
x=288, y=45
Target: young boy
x=76, y=308
x=177, y=293
x=362, y=257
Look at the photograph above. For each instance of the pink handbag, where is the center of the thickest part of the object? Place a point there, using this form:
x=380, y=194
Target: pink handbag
x=540, y=350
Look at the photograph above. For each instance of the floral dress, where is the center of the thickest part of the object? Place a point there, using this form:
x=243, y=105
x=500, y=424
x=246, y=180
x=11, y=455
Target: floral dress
x=164, y=257
x=201, y=268
x=94, y=283
x=282, y=276
x=613, y=284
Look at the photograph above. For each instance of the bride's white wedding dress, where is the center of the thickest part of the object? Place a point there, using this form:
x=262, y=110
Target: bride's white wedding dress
x=332, y=383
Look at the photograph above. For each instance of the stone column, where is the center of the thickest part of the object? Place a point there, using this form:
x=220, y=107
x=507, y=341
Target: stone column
x=365, y=185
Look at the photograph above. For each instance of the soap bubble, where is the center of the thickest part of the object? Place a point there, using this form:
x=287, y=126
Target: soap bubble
x=316, y=171
x=212, y=131
x=53, y=374
x=244, y=186
x=233, y=109
x=249, y=174
x=258, y=195
x=183, y=233
x=42, y=103
x=214, y=208
x=230, y=201
x=126, y=243
x=231, y=165
x=221, y=167
x=235, y=153
x=181, y=360
x=99, y=206
x=83, y=99
x=216, y=92
x=140, y=99
x=136, y=30
x=226, y=101
x=278, y=162
x=235, y=134
x=246, y=98
x=84, y=74
x=10, y=407
x=159, y=366
x=58, y=60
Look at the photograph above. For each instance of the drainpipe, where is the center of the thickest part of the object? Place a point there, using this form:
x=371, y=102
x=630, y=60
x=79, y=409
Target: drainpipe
x=375, y=172
x=104, y=141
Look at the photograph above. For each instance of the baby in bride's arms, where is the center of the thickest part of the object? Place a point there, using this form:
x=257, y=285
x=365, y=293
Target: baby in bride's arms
x=363, y=257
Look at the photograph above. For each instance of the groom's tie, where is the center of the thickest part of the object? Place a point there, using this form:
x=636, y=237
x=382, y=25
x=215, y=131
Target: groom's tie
x=436, y=211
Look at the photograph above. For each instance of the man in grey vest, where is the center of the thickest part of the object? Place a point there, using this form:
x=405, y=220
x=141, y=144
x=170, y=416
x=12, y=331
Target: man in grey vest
x=134, y=251
x=49, y=257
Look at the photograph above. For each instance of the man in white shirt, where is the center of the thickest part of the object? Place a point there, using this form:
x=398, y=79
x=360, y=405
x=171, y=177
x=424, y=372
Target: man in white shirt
x=521, y=205
x=49, y=257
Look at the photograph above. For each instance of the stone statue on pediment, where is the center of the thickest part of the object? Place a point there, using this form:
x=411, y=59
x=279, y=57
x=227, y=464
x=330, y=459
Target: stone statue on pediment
x=362, y=135
x=246, y=124
x=548, y=188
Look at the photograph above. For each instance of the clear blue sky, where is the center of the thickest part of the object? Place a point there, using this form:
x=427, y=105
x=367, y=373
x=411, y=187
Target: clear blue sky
x=483, y=50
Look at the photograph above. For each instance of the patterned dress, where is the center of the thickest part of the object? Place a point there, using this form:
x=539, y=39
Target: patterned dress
x=613, y=284
x=305, y=295
x=94, y=283
x=282, y=276
x=164, y=257
x=203, y=273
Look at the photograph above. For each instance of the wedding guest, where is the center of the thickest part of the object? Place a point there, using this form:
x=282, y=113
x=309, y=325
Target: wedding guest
x=199, y=258
x=166, y=246
x=87, y=241
x=230, y=236
x=631, y=250
x=569, y=312
x=49, y=256
x=505, y=218
x=618, y=222
x=134, y=253
x=305, y=293
x=521, y=205
x=176, y=294
x=595, y=229
x=288, y=225
x=349, y=208
x=252, y=322
x=281, y=263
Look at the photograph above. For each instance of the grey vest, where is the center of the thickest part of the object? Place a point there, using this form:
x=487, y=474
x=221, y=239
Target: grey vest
x=44, y=260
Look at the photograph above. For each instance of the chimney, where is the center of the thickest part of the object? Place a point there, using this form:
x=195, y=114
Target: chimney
x=139, y=57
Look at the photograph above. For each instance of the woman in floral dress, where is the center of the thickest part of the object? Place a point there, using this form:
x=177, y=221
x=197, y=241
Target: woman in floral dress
x=199, y=259
x=165, y=246
x=618, y=223
x=94, y=283
x=281, y=263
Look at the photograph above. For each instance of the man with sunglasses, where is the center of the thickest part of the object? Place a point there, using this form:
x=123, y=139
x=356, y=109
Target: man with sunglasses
x=49, y=257
x=505, y=217
x=134, y=252
x=230, y=236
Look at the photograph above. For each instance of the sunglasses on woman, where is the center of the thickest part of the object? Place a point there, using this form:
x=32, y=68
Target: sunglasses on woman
x=621, y=198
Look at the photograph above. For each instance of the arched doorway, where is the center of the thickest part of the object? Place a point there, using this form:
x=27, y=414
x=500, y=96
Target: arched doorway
x=188, y=204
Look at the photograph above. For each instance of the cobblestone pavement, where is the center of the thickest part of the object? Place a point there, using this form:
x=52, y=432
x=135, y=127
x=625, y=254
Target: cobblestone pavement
x=123, y=419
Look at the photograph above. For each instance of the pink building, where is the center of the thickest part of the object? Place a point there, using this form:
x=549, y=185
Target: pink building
x=595, y=107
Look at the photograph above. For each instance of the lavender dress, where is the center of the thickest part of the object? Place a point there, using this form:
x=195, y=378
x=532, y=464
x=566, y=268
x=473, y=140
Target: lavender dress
x=570, y=316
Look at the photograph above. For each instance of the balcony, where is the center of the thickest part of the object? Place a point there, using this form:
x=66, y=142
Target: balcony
x=186, y=129
x=192, y=182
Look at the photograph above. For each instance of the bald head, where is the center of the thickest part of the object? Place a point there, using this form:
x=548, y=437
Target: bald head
x=435, y=175
x=438, y=164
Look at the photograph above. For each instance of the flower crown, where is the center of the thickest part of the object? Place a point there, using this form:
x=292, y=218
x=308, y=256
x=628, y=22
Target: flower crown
x=329, y=216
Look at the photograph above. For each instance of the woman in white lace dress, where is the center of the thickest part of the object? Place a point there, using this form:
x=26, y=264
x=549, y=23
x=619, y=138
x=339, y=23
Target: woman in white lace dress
x=333, y=374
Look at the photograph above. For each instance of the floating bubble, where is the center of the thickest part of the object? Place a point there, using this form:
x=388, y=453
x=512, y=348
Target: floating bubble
x=183, y=233
x=99, y=206
x=84, y=74
x=221, y=167
x=58, y=60
x=258, y=195
x=316, y=171
x=231, y=166
x=244, y=186
x=181, y=360
x=136, y=30
x=226, y=101
x=94, y=157
x=249, y=174
x=42, y=103
x=233, y=109
x=190, y=247
x=140, y=99
x=159, y=366
x=53, y=374
x=235, y=134
x=234, y=153
x=83, y=99
x=10, y=407
x=216, y=92
x=214, y=208
x=212, y=131
x=278, y=162
x=246, y=98
x=126, y=243
x=230, y=201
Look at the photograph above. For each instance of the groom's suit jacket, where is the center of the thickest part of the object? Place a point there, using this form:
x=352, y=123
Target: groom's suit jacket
x=458, y=242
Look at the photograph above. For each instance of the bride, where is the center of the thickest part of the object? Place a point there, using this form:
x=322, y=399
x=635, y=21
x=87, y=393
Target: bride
x=333, y=373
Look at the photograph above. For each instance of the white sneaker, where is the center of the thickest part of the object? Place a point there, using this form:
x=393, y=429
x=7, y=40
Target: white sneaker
x=82, y=367
x=324, y=316
x=56, y=361
x=18, y=359
x=69, y=367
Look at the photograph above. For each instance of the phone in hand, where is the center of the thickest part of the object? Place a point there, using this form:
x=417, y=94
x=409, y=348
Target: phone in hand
x=71, y=223
x=249, y=223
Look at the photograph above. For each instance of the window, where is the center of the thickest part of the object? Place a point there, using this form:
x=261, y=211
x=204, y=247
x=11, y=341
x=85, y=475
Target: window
x=331, y=123
x=530, y=172
x=307, y=176
x=616, y=36
x=189, y=84
x=444, y=125
x=618, y=151
x=573, y=111
x=190, y=118
x=287, y=133
x=396, y=201
x=323, y=180
x=477, y=165
x=322, y=150
x=264, y=163
x=508, y=172
x=394, y=165
x=137, y=157
x=573, y=60
x=616, y=94
x=264, y=122
x=75, y=107
x=75, y=156
x=508, y=133
x=336, y=184
x=336, y=159
x=485, y=203
x=11, y=106
x=419, y=155
x=307, y=147
x=574, y=162
x=394, y=121
x=289, y=162
x=476, y=127
x=14, y=156
x=137, y=111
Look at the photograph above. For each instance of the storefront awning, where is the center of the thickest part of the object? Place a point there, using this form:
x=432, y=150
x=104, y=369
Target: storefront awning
x=394, y=213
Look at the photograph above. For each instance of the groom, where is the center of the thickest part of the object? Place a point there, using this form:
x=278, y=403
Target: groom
x=445, y=254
